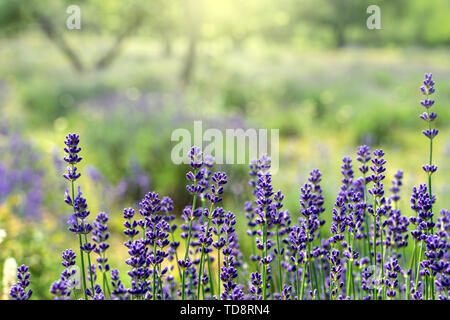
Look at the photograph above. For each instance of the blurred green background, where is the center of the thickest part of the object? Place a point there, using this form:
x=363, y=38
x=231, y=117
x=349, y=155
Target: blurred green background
x=137, y=70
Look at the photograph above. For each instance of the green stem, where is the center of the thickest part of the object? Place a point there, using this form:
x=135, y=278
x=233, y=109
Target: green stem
x=183, y=285
x=80, y=241
x=297, y=282
x=254, y=253
x=322, y=276
x=154, y=266
x=176, y=254
x=418, y=267
x=90, y=268
x=303, y=281
x=160, y=282
x=211, y=281
x=431, y=162
x=366, y=218
x=375, y=290
x=265, y=265
x=105, y=277
x=350, y=268
x=82, y=266
x=188, y=241
x=383, y=289
x=279, y=260
x=200, y=271
x=408, y=280
x=316, y=283
x=432, y=288
x=218, y=270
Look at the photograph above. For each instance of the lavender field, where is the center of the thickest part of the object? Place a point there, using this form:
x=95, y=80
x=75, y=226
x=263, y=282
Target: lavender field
x=352, y=206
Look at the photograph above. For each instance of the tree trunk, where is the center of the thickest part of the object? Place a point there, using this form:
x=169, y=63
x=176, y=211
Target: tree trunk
x=167, y=46
x=339, y=36
x=50, y=31
x=190, y=57
x=114, y=50
x=189, y=63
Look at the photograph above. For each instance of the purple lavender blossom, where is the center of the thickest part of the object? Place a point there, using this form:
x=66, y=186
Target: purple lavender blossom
x=228, y=272
x=395, y=189
x=392, y=269
x=119, y=292
x=19, y=289
x=62, y=288
x=100, y=235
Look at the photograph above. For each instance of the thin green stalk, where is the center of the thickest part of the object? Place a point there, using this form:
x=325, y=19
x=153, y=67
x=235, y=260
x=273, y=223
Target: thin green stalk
x=218, y=270
x=176, y=254
x=311, y=269
x=105, y=276
x=188, y=241
x=431, y=162
x=211, y=281
x=433, y=288
x=200, y=271
x=383, y=289
x=176, y=251
x=297, y=282
x=183, y=284
x=90, y=268
x=316, y=283
x=185, y=259
x=302, y=290
x=265, y=265
x=279, y=259
x=80, y=241
x=154, y=266
x=418, y=267
x=160, y=282
x=366, y=218
x=408, y=280
x=375, y=291
x=254, y=253
x=82, y=267
x=350, y=268
x=307, y=262
x=322, y=276
x=331, y=278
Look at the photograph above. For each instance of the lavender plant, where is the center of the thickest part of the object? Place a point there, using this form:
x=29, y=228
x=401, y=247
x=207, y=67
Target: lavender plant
x=289, y=259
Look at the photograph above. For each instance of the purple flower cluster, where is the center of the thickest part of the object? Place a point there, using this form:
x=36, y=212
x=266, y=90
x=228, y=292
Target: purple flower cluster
x=62, y=288
x=20, y=291
x=20, y=173
x=366, y=255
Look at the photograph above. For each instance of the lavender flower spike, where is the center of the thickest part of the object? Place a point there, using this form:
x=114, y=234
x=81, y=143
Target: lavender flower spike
x=19, y=290
x=77, y=221
x=427, y=89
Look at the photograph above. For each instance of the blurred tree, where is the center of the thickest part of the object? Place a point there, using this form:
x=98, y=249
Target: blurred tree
x=165, y=23
x=192, y=16
x=122, y=19
x=119, y=19
x=16, y=16
x=337, y=16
